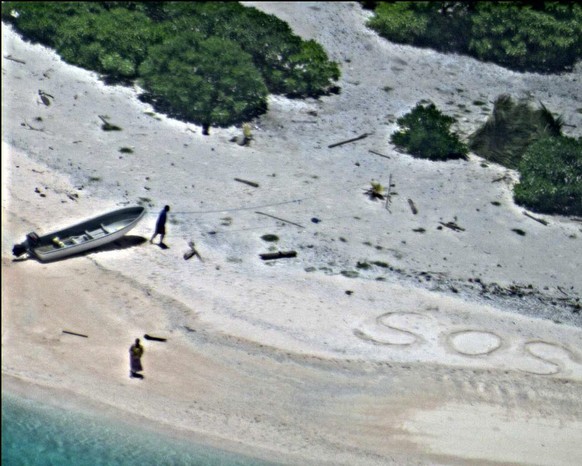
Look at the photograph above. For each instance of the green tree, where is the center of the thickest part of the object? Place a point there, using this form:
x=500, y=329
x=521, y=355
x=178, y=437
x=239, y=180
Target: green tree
x=426, y=133
x=211, y=82
x=520, y=36
x=40, y=21
x=112, y=42
x=551, y=176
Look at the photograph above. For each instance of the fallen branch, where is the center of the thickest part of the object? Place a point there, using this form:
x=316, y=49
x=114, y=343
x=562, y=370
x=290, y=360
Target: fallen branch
x=278, y=255
x=10, y=57
x=452, y=226
x=303, y=121
x=151, y=338
x=250, y=183
x=365, y=135
x=539, y=220
x=389, y=194
x=378, y=153
x=76, y=334
x=281, y=219
x=412, y=206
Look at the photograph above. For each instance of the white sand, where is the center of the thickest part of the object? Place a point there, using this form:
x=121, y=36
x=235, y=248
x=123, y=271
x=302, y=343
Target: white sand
x=291, y=360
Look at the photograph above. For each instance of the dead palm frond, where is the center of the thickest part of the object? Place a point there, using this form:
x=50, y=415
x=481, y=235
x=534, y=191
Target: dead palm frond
x=511, y=128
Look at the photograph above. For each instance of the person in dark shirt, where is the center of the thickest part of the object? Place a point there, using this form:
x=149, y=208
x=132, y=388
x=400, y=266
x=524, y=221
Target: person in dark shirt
x=135, y=353
x=161, y=225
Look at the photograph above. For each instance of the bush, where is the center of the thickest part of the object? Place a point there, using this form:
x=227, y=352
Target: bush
x=511, y=128
x=536, y=36
x=551, y=176
x=189, y=76
x=112, y=42
x=425, y=133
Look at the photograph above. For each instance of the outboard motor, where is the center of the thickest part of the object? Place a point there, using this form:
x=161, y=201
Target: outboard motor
x=32, y=239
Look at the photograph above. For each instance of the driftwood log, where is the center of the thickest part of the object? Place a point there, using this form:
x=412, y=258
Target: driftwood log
x=250, y=183
x=539, y=220
x=76, y=334
x=452, y=226
x=378, y=153
x=278, y=255
x=412, y=206
x=152, y=338
x=341, y=143
x=10, y=57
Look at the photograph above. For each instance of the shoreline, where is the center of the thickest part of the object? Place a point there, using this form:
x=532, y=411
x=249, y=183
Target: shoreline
x=357, y=351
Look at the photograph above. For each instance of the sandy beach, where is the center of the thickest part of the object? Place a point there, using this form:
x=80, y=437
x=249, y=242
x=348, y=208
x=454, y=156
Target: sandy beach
x=388, y=339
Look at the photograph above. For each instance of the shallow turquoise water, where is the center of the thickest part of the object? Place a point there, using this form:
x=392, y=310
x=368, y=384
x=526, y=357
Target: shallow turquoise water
x=36, y=434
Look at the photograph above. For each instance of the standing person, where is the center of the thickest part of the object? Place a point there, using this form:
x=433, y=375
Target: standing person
x=135, y=353
x=161, y=225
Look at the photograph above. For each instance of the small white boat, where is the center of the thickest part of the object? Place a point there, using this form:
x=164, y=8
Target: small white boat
x=86, y=235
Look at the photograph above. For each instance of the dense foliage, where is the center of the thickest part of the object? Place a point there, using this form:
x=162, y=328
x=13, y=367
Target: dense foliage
x=510, y=129
x=524, y=36
x=551, y=176
x=426, y=133
x=245, y=52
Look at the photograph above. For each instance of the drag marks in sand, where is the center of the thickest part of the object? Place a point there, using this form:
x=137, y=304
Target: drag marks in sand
x=409, y=330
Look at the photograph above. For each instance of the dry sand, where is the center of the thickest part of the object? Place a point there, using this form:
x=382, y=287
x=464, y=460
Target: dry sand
x=427, y=356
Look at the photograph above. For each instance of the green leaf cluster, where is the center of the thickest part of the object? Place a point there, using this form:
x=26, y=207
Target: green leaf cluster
x=211, y=63
x=551, y=176
x=425, y=132
x=524, y=36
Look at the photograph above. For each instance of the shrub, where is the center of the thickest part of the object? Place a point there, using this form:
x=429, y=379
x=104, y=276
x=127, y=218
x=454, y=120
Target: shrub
x=551, y=176
x=425, y=133
x=523, y=36
x=111, y=42
x=510, y=129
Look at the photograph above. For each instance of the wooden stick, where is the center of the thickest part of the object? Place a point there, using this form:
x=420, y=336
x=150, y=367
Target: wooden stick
x=452, y=226
x=278, y=255
x=539, y=220
x=250, y=183
x=362, y=136
x=412, y=206
x=76, y=334
x=378, y=153
x=282, y=219
x=149, y=337
x=10, y=57
x=389, y=194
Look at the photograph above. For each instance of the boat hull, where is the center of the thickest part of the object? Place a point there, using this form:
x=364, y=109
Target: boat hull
x=86, y=235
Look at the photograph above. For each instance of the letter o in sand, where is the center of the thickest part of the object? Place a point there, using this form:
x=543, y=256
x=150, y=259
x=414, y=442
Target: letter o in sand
x=474, y=342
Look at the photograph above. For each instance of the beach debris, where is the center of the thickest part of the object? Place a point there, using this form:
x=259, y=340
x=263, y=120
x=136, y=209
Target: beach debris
x=519, y=231
x=505, y=177
x=452, y=226
x=106, y=126
x=192, y=252
x=341, y=143
x=539, y=220
x=279, y=218
x=378, y=153
x=152, y=338
x=375, y=191
x=75, y=333
x=412, y=206
x=44, y=97
x=250, y=183
x=278, y=255
x=10, y=57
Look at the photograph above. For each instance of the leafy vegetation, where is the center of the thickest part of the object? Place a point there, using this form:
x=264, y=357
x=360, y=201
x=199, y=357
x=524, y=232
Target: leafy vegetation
x=426, y=133
x=212, y=63
x=510, y=129
x=551, y=176
x=524, y=36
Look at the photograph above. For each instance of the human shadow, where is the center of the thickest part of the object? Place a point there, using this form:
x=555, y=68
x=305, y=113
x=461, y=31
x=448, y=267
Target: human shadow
x=163, y=246
x=135, y=375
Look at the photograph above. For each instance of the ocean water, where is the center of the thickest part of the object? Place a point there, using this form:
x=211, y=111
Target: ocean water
x=37, y=434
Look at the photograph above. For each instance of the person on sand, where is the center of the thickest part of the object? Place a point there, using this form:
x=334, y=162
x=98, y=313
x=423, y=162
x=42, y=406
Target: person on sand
x=135, y=353
x=161, y=225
